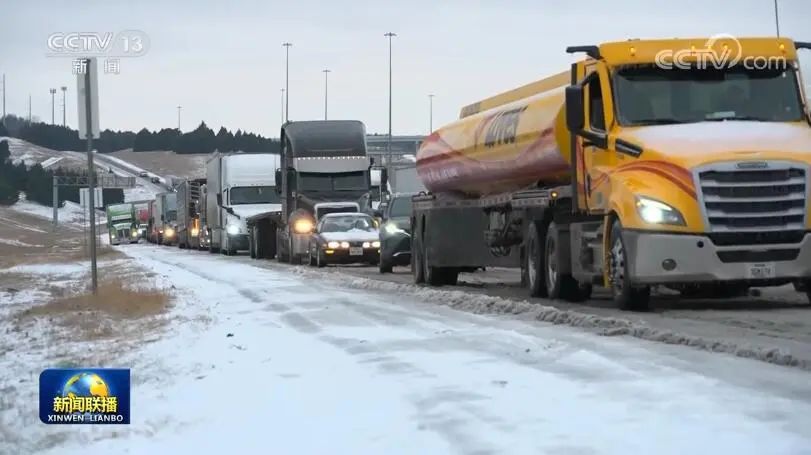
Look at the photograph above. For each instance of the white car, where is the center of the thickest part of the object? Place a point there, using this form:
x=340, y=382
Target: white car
x=344, y=238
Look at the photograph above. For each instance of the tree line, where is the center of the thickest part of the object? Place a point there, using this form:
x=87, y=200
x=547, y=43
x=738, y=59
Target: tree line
x=37, y=182
x=201, y=140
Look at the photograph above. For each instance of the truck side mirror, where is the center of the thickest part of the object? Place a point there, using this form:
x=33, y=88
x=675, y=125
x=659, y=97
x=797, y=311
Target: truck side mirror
x=219, y=200
x=278, y=181
x=575, y=114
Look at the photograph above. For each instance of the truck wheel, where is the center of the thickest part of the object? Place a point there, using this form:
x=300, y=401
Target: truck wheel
x=417, y=269
x=383, y=266
x=434, y=276
x=281, y=254
x=558, y=285
x=626, y=296
x=311, y=260
x=252, y=244
x=451, y=276
x=535, y=260
x=320, y=260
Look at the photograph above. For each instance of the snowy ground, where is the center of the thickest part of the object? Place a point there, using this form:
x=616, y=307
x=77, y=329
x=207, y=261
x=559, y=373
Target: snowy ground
x=144, y=189
x=165, y=163
x=32, y=154
x=262, y=358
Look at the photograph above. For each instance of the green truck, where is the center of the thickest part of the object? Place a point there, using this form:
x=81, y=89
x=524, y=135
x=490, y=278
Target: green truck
x=121, y=224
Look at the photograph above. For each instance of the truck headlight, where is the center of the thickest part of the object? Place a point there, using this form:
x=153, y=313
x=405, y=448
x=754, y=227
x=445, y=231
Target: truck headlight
x=303, y=226
x=135, y=233
x=392, y=229
x=232, y=229
x=168, y=232
x=655, y=212
x=194, y=232
x=333, y=245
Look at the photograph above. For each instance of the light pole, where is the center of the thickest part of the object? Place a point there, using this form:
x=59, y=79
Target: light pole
x=64, y=116
x=53, y=92
x=287, y=80
x=3, y=120
x=430, y=114
x=178, y=117
x=282, y=106
x=776, y=19
x=389, y=35
x=326, y=90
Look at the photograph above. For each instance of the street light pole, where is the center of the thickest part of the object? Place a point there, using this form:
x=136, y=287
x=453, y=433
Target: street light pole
x=430, y=114
x=282, y=106
x=390, y=35
x=776, y=18
x=53, y=119
x=326, y=90
x=178, y=117
x=64, y=116
x=287, y=80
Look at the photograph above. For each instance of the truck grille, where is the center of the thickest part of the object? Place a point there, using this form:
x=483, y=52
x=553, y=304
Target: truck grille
x=762, y=205
x=754, y=200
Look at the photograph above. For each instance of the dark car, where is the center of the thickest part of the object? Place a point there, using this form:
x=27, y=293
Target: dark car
x=344, y=238
x=395, y=233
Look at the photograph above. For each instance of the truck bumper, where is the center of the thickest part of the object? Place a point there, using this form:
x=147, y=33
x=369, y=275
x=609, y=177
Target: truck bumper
x=655, y=258
x=300, y=243
x=238, y=242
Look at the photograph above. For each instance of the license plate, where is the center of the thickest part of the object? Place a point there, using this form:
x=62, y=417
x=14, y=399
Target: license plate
x=356, y=251
x=760, y=271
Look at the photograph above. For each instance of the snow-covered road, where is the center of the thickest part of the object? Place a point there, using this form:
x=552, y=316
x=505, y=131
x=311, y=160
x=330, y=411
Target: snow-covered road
x=263, y=360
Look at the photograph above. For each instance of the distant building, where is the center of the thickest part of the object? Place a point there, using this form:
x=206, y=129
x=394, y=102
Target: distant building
x=400, y=145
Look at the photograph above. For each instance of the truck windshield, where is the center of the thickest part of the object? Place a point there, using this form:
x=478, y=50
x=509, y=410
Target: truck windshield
x=331, y=182
x=400, y=206
x=649, y=95
x=171, y=215
x=253, y=195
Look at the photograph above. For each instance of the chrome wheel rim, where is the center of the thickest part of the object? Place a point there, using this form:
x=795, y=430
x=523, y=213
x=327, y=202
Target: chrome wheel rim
x=532, y=267
x=617, y=266
x=551, y=263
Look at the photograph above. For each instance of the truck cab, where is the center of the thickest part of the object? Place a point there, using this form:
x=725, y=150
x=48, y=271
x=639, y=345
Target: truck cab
x=699, y=162
x=321, y=162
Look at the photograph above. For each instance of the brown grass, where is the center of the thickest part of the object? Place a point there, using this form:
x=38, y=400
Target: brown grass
x=113, y=299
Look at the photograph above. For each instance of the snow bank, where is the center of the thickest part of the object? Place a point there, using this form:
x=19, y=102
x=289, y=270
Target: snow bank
x=602, y=325
x=17, y=243
x=69, y=213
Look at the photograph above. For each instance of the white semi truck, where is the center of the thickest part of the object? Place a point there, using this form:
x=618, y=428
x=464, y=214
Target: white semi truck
x=238, y=185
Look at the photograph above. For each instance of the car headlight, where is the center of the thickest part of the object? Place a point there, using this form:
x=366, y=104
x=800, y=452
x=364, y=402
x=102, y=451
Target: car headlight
x=303, y=226
x=344, y=244
x=333, y=245
x=376, y=244
x=232, y=229
x=655, y=212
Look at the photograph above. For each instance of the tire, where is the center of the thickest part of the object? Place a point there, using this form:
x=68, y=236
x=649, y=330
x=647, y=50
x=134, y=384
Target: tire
x=626, y=296
x=417, y=269
x=434, y=276
x=451, y=276
x=534, y=260
x=560, y=286
x=320, y=260
x=383, y=266
x=311, y=261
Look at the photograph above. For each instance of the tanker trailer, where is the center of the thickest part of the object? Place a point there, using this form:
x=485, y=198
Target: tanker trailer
x=671, y=183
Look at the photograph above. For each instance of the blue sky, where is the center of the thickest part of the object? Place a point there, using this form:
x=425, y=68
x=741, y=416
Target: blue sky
x=224, y=63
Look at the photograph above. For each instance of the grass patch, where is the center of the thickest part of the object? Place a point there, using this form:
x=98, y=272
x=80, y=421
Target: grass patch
x=113, y=299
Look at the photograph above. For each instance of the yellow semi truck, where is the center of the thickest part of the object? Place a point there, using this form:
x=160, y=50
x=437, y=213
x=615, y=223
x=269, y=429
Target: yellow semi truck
x=680, y=162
